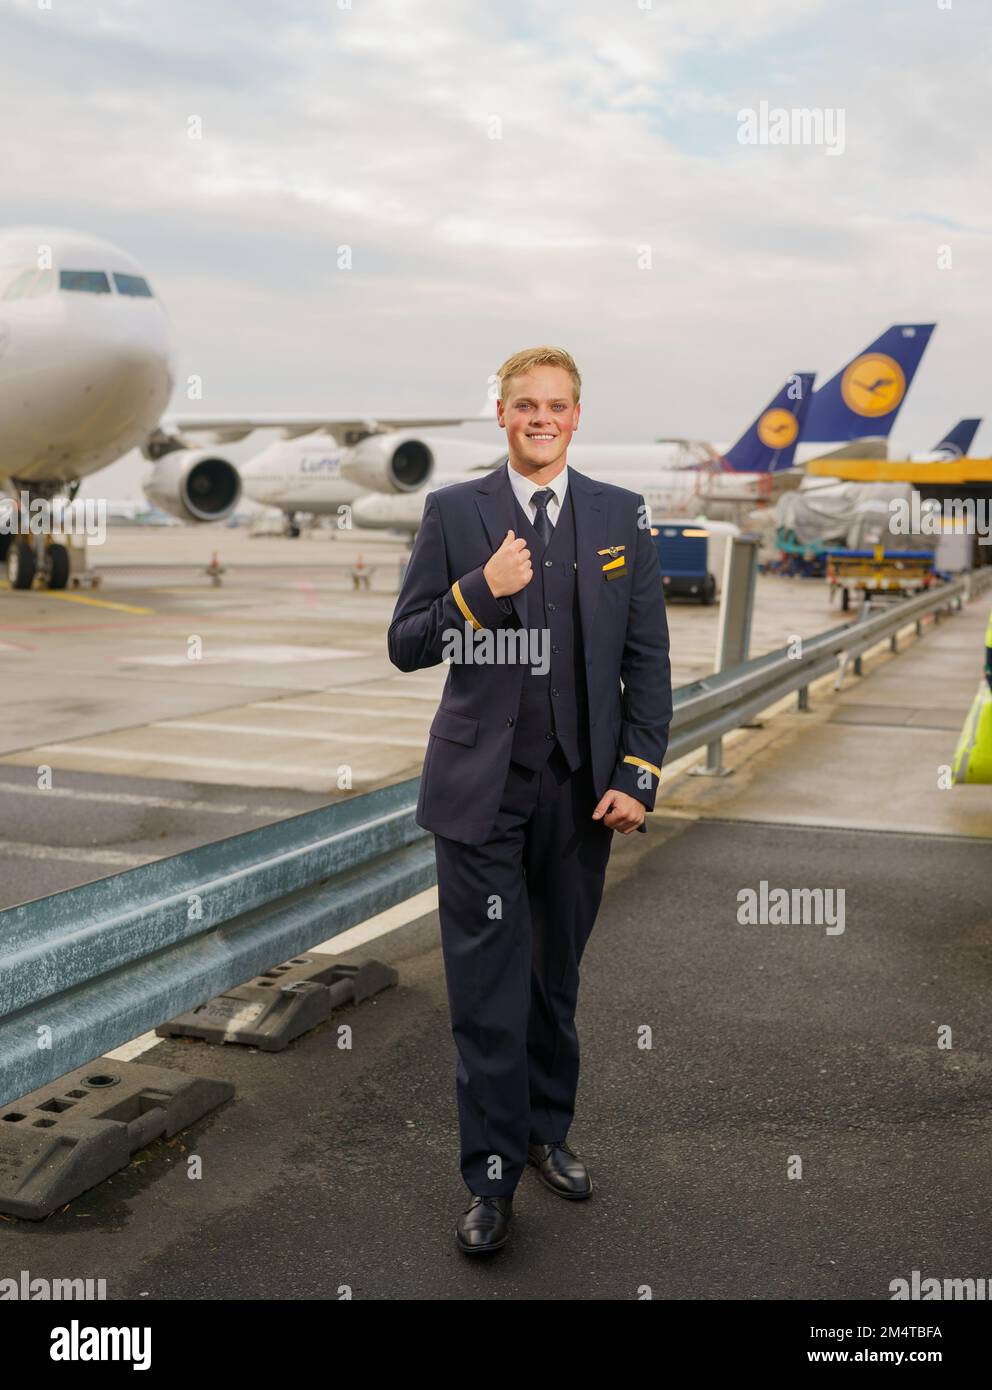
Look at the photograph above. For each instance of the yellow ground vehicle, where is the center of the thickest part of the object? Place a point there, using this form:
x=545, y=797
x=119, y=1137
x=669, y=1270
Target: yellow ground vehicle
x=878, y=570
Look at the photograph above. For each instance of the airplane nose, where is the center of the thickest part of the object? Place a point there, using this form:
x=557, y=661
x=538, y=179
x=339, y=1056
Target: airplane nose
x=111, y=377
x=125, y=376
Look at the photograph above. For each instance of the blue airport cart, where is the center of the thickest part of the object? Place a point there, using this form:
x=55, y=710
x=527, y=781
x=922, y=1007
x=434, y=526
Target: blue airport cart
x=691, y=556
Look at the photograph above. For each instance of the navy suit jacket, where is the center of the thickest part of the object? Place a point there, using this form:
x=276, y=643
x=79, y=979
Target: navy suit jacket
x=624, y=633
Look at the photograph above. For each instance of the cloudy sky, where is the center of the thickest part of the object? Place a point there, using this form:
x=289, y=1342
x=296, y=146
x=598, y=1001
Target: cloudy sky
x=562, y=171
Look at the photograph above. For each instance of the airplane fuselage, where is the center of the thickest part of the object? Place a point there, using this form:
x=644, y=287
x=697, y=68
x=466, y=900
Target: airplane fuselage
x=667, y=492
x=299, y=475
x=85, y=356
x=305, y=474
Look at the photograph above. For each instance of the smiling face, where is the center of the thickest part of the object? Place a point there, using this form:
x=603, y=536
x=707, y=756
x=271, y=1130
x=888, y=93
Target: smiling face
x=540, y=414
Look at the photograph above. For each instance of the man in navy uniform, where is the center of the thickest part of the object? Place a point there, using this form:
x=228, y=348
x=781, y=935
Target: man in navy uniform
x=542, y=589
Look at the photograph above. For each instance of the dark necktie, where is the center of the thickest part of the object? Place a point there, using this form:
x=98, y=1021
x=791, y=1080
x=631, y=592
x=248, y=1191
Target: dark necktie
x=542, y=522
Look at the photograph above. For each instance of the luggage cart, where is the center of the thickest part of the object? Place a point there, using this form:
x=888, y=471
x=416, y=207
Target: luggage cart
x=878, y=571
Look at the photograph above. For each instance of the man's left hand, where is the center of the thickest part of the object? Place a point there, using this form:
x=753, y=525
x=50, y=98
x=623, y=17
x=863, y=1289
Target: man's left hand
x=620, y=811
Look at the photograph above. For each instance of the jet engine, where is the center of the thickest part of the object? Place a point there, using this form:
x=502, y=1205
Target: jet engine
x=389, y=463
x=194, y=485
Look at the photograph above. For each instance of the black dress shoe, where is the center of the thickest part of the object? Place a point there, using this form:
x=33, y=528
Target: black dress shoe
x=560, y=1169
x=485, y=1224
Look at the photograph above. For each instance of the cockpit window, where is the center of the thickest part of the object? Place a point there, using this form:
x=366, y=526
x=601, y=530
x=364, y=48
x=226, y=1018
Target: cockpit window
x=29, y=284
x=86, y=281
x=135, y=285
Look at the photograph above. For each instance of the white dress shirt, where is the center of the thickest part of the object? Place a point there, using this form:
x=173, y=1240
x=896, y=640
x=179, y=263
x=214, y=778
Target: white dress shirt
x=524, y=490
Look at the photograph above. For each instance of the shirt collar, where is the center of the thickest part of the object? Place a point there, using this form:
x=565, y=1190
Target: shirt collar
x=524, y=488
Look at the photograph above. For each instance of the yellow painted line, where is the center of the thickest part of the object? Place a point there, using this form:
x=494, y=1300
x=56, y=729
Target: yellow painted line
x=95, y=602
x=965, y=470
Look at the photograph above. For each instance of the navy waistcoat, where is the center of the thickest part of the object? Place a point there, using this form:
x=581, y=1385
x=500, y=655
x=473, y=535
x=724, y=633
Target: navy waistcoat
x=553, y=706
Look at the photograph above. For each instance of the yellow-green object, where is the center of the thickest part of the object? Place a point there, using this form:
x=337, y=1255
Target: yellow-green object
x=973, y=756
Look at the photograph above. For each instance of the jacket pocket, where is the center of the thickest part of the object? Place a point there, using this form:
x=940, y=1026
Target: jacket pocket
x=459, y=728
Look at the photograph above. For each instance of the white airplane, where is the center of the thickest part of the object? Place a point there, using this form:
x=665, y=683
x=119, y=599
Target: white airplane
x=748, y=471
x=953, y=445
x=86, y=371
x=850, y=416
x=305, y=475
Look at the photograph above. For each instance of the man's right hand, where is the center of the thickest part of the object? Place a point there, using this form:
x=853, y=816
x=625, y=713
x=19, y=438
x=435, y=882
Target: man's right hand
x=508, y=570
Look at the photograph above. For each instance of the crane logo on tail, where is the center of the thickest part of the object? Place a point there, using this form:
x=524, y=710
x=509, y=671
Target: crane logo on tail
x=777, y=428
x=873, y=384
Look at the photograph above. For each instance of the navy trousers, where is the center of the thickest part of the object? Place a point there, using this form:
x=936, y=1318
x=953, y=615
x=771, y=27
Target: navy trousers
x=516, y=913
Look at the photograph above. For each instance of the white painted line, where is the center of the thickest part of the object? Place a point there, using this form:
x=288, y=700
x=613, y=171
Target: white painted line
x=261, y=654
x=116, y=858
x=393, y=694
x=182, y=760
x=166, y=803
x=135, y=1048
x=382, y=923
x=328, y=709
x=267, y=731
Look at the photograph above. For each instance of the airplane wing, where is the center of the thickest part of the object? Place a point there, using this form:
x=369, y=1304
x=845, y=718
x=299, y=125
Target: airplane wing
x=228, y=429
x=869, y=447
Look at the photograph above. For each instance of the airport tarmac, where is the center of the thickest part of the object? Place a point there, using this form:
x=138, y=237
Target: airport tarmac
x=279, y=678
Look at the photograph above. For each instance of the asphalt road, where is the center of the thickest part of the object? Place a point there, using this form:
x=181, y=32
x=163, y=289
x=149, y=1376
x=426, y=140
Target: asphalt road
x=89, y=825
x=335, y=1168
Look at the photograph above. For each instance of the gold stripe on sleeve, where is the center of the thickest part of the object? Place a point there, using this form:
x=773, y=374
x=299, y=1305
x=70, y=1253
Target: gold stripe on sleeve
x=639, y=762
x=466, y=612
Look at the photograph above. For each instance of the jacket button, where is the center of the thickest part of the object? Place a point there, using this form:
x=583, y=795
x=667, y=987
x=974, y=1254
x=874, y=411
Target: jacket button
x=509, y=722
x=547, y=564
x=556, y=692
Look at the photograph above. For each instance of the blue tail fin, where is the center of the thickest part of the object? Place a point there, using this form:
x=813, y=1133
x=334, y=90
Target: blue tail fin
x=956, y=442
x=769, y=444
x=863, y=399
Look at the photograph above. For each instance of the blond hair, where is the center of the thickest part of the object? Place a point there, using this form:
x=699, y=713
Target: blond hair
x=522, y=362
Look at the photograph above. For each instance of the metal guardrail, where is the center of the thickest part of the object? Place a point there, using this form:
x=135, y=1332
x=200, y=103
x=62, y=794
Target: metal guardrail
x=88, y=969
x=711, y=707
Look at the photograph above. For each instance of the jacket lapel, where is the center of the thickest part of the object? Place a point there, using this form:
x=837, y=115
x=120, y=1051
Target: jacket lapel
x=494, y=496
x=589, y=510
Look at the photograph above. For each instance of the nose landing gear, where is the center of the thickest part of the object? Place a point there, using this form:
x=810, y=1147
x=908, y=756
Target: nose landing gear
x=29, y=557
x=32, y=520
